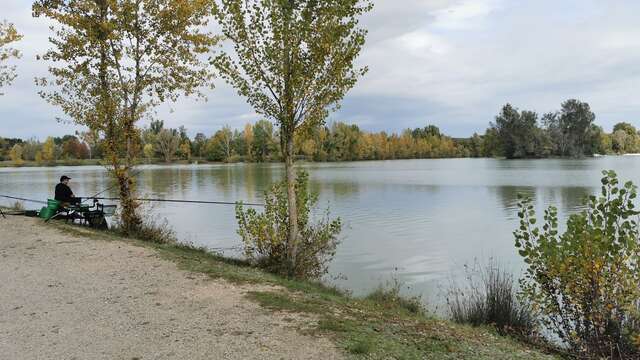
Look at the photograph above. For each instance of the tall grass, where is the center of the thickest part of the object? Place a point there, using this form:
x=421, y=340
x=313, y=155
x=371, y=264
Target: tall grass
x=489, y=298
x=150, y=230
x=389, y=296
x=18, y=206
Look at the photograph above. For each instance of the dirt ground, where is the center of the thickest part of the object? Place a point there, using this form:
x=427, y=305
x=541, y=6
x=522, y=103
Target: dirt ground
x=70, y=297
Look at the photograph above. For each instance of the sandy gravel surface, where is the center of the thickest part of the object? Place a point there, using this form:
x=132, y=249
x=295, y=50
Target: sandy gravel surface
x=68, y=297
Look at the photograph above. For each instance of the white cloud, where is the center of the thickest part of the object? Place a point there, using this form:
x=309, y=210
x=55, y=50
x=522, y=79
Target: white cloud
x=422, y=43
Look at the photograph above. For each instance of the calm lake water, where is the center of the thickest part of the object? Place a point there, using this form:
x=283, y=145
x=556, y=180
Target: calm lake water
x=418, y=221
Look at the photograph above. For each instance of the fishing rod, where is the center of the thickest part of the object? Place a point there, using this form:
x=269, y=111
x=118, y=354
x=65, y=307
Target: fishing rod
x=136, y=173
x=23, y=199
x=96, y=197
x=181, y=201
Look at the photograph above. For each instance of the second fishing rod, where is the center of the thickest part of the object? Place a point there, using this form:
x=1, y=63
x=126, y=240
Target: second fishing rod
x=138, y=172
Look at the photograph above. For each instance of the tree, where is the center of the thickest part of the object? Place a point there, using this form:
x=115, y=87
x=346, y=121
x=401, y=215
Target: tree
x=248, y=140
x=199, y=143
x=30, y=148
x=91, y=139
x=49, y=150
x=16, y=155
x=185, y=150
x=148, y=151
x=115, y=60
x=625, y=138
x=263, y=142
x=626, y=127
x=219, y=146
x=619, y=140
x=584, y=282
x=8, y=35
x=295, y=62
x=575, y=121
x=72, y=148
x=346, y=139
x=264, y=235
x=517, y=132
x=226, y=137
x=167, y=143
x=476, y=145
x=156, y=126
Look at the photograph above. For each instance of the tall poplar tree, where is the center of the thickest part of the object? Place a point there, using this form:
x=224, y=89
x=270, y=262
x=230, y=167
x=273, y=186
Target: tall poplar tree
x=294, y=64
x=8, y=35
x=115, y=60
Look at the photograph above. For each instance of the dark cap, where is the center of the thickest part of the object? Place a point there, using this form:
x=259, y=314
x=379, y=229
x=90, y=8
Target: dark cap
x=64, y=177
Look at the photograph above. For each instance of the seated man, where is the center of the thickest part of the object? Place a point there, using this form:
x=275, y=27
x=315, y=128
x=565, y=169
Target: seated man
x=64, y=193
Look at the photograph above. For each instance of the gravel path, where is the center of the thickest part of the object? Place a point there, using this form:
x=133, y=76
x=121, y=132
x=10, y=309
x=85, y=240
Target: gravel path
x=69, y=297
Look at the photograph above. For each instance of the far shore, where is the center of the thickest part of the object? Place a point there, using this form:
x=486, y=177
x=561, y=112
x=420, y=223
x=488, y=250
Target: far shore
x=204, y=161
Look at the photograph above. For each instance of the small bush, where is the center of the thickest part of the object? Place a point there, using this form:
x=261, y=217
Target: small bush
x=584, y=283
x=389, y=297
x=361, y=346
x=490, y=298
x=265, y=234
x=152, y=231
x=18, y=206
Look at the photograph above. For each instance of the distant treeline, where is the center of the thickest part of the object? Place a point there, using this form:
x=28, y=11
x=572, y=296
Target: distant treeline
x=257, y=142
x=67, y=147
x=569, y=132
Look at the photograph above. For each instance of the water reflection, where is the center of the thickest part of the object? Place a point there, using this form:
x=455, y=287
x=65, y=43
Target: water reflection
x=568, y=199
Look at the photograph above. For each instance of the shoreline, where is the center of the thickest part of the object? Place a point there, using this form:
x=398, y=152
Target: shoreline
x=358, y=328
x=100, y=162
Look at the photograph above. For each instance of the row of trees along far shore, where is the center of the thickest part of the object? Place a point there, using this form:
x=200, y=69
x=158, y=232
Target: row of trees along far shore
x=569, y=132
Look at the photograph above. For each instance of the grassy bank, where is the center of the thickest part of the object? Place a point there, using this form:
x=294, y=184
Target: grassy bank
x=377, y=327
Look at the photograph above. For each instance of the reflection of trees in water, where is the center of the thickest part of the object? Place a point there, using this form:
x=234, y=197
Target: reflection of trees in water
x=156, y=181
x=337, y=189
x=508, y=197
x=242, y=181
x=100, y=180
x=235, y=182
x=567, y=199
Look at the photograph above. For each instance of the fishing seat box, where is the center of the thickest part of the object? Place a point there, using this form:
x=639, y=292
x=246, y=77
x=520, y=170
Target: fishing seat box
x=51, y=209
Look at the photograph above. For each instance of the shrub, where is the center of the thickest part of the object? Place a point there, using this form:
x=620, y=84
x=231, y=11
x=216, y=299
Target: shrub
x=148, y=230
x=152, y=231
x=389, y=296
x=265, y=234
x=490, y=298
x=585, y=282
x=19, y=206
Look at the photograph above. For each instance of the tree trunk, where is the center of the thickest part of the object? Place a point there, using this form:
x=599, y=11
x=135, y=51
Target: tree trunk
x=292, y=241
x=130, y=218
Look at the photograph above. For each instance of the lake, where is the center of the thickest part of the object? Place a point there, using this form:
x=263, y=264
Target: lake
x=419, y=221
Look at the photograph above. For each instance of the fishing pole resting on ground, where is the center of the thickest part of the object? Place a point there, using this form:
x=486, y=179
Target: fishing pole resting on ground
x=142, y=199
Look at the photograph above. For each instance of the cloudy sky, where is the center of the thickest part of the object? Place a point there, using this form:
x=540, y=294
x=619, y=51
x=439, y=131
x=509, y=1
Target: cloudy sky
x=451, y=63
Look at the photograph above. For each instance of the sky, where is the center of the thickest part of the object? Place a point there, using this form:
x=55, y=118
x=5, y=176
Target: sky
x=450, y=63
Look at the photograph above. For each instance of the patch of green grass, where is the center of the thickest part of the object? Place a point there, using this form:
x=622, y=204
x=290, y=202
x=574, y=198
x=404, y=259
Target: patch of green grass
x=384, y=325
x=389, y=297
x=360, y=346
